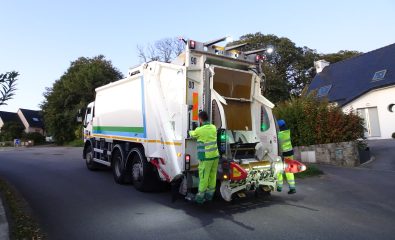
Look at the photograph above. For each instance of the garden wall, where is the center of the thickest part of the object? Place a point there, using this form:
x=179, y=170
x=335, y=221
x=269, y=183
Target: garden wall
x=340, y=154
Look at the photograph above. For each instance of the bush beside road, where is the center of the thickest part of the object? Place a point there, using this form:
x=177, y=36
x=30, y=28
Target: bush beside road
x=311, y=171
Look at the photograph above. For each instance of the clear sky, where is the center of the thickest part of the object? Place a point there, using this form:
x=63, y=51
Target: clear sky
x=39, y=38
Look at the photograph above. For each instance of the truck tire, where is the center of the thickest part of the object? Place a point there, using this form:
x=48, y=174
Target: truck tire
x=118, y=167
x=143, y=175
x=90, y=164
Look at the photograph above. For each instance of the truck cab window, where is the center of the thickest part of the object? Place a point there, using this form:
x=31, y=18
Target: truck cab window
x=216, y=115
x=265, y=122
x=88, y=116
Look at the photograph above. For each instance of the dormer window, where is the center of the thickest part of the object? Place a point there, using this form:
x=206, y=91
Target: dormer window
x=379, y=75
x=323, y=91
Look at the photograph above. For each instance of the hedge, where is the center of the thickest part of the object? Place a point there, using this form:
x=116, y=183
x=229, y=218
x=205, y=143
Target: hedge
x=314, y=121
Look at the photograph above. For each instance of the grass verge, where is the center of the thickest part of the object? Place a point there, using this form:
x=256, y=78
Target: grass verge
x=21, y=222
x=311, y=171
x=75, y=143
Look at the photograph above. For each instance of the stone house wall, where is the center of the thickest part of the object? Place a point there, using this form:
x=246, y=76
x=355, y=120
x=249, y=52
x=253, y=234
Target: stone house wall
x=340, y=154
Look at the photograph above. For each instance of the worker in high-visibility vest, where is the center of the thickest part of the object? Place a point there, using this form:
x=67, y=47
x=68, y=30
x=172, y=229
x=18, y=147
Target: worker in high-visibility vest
x=208, y=156
x=284, y=138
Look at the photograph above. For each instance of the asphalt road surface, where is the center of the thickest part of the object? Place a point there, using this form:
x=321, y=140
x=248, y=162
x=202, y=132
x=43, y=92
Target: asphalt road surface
x=72, y=202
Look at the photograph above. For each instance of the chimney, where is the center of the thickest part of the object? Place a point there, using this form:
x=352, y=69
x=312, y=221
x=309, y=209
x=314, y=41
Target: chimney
x=320, y=65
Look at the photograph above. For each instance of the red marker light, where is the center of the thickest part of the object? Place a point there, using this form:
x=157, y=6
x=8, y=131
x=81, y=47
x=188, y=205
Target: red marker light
x=258, y=58
x=192, y=44
x=187, y=162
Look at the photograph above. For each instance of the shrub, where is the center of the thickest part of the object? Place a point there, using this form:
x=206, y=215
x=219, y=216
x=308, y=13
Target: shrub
x=313, y=121
x=76, y=143
x=36, y=137
x=393, y=135
x=11, y=130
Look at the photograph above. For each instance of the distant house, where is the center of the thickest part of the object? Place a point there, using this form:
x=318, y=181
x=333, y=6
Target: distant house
x=32, y=120
x=365, y=84
x=6, y=117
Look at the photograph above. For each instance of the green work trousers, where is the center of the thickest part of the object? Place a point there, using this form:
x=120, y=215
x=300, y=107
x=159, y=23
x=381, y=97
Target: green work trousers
x=207, y=180
x=289, y=176
x=290, y=179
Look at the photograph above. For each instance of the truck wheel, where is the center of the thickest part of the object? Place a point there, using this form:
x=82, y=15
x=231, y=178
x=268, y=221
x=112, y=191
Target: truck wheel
x=90, y=164
x=118, y=168
x=143, y=176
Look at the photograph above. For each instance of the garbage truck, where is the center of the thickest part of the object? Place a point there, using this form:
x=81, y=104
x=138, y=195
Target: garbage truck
x=139, y=125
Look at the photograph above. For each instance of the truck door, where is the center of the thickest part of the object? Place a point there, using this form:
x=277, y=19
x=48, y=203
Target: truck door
x=217, y=110
x=265, y=129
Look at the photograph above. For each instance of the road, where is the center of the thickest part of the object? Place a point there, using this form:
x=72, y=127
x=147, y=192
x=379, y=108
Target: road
x=71, y=202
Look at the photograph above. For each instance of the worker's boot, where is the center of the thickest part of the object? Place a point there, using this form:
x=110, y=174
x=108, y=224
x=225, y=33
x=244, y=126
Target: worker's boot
x=209, y=195
x=199, y=198
x=292, y=191
x=279, y=189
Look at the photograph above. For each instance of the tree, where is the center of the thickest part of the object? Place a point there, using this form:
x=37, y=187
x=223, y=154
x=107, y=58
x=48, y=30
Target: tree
x=288, y=69
x=164, y=50
x=7, y=86
x=73, y=91
x=339, y=56
x=11, y=130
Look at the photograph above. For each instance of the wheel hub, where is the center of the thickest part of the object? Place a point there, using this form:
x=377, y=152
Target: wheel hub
x=137, y=171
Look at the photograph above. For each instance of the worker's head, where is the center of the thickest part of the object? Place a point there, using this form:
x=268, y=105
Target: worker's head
x=203, y=117
x=281, y=125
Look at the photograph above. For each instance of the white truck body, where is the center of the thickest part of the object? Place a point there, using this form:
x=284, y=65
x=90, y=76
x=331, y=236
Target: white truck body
x=156, y=105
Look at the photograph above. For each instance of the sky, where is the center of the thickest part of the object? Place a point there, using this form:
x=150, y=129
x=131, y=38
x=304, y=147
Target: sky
x=39, y=39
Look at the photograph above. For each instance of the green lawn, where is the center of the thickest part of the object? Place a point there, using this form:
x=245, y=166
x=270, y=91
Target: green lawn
x=75, y=143
x=311, y=171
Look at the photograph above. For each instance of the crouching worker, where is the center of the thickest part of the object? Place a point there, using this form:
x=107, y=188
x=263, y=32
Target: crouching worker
x=208, y=156
x=284, y=138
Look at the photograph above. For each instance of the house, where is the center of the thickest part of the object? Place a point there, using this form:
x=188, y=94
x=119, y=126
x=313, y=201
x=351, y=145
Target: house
x=364, y=84
x=6, y=117
x=32, y=120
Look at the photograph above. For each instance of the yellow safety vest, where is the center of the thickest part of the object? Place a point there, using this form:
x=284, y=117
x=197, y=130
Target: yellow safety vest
x=284, y=137
x=206, y=136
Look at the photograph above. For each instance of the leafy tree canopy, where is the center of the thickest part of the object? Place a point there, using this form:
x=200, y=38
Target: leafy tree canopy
x=7, y=86
x=339, y=56
x=290, y=68
x=73, y=91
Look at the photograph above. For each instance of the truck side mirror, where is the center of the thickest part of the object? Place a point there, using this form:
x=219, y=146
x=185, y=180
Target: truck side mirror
x=79, y=116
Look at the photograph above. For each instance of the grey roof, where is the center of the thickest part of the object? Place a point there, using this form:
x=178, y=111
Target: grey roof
x=353, y=77
x=9, y=117
x=33, y=117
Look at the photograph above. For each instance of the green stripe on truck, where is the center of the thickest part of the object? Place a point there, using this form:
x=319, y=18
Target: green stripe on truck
x=119, y=129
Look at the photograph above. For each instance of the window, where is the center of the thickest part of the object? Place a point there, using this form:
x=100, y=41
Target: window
x=35, y=119
x=379, y=75
x=324, y=90
x=88, y=116
x=265, y=122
